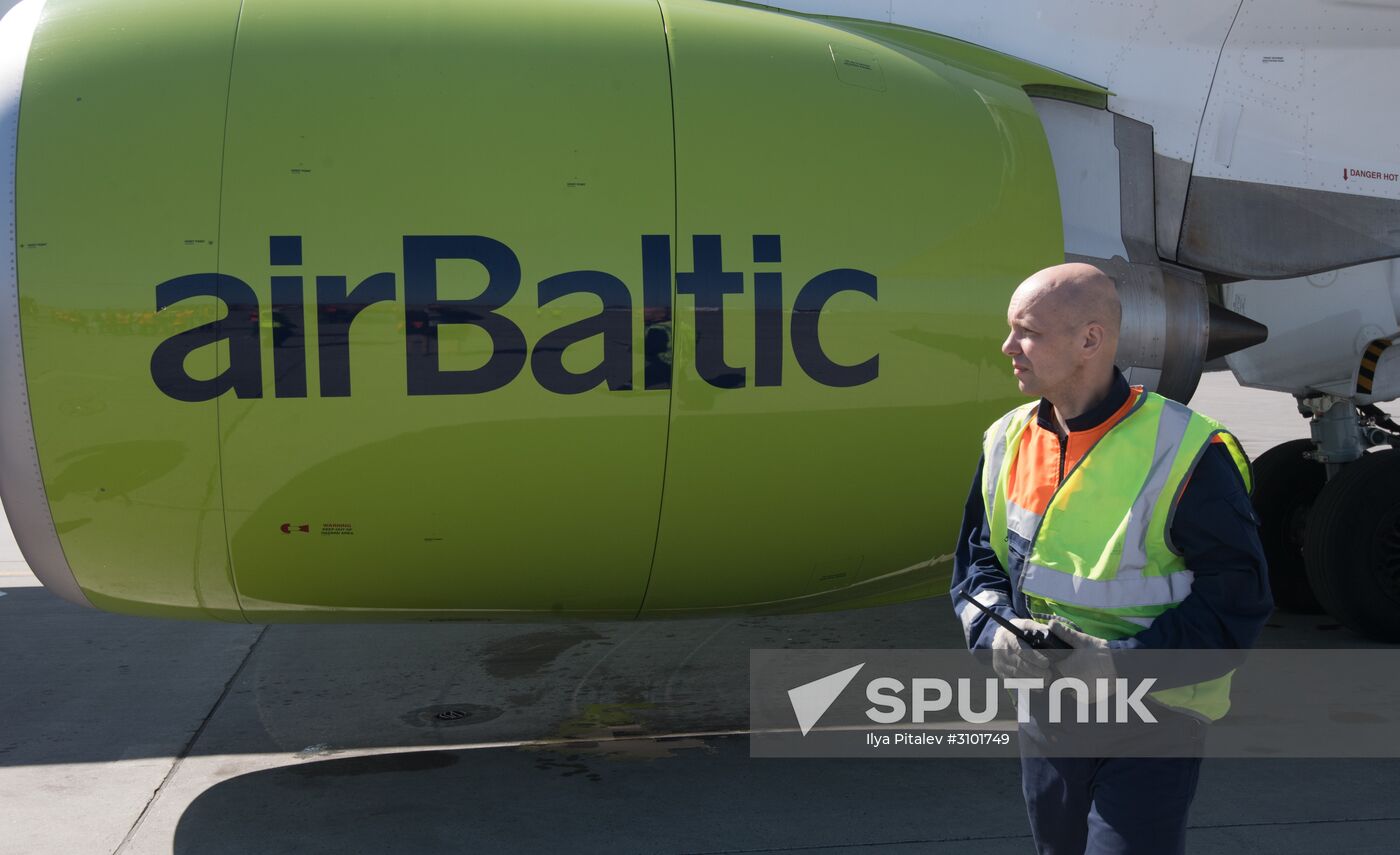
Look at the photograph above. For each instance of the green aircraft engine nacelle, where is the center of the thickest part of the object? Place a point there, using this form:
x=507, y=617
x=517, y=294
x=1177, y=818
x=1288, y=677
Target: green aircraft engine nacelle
x=331, y=310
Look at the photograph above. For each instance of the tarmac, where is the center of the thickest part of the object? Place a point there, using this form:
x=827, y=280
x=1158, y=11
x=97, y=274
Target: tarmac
x=136, y=735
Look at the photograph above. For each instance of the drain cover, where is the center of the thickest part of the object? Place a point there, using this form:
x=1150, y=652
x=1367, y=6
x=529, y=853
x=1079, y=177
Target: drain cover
x=450, y=715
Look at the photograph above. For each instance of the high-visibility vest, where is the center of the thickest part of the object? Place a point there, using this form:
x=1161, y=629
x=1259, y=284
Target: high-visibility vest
x=1101, y=556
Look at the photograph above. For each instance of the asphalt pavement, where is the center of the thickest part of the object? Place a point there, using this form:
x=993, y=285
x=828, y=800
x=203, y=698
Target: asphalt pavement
x=135, y=735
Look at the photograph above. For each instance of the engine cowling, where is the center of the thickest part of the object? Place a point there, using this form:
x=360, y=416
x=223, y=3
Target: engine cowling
x=417, y=311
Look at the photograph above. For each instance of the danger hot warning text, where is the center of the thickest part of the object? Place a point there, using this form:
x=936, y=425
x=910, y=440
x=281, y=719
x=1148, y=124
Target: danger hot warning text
x=1348, y=172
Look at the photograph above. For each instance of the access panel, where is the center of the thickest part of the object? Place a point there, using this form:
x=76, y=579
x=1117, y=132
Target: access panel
x=433, y=250
x=120, y=137
x=854, y=215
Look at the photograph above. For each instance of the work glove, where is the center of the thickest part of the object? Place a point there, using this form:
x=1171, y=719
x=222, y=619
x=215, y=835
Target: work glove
x=1013, y=658
x=1090, y=659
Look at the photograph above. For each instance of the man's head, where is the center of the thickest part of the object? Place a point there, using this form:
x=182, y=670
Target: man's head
x=1064, y=329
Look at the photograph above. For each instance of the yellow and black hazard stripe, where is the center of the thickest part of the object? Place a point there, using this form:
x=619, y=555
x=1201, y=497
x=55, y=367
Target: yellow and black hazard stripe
x=1369, y=359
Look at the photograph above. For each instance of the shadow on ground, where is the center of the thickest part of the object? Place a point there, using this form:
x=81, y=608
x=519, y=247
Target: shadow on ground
x=707, y=796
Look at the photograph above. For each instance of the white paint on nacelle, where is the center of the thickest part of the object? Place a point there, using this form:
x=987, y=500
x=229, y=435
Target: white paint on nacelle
x=1319, y=327
x=1086, y=170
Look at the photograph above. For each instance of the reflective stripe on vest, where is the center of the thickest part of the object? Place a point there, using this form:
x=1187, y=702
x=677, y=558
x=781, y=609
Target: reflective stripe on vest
x=1171, y=430
x=999, y=446
x=1109, y=594
x=1021, y=521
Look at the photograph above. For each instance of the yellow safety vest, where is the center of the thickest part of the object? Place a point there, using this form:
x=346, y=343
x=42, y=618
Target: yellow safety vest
x=1101, y=555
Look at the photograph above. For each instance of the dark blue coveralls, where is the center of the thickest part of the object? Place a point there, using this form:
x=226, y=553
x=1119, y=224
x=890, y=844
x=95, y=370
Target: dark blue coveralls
x=1134, y=805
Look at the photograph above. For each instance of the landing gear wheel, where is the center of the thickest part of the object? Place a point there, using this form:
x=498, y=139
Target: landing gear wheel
x=1352, y=546
x=1286, y=485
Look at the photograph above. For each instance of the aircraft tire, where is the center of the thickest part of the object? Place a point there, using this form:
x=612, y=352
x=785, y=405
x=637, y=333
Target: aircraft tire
x=1352, y=546
x=1286, y=485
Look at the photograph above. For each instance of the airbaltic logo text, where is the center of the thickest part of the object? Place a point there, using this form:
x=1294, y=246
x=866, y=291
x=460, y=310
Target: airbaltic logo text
x=425, y=313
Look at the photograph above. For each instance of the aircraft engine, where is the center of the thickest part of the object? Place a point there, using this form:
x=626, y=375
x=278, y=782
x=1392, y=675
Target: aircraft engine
x=328, y=310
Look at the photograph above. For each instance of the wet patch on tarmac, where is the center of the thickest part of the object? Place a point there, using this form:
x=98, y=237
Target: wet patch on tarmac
x=611, y=731
x=522, y=655
x=570, y=764
x=525, y=700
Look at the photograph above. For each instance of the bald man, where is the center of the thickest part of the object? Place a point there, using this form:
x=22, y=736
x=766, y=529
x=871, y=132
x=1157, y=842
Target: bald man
x=1075, y=568
x=1064, y=335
